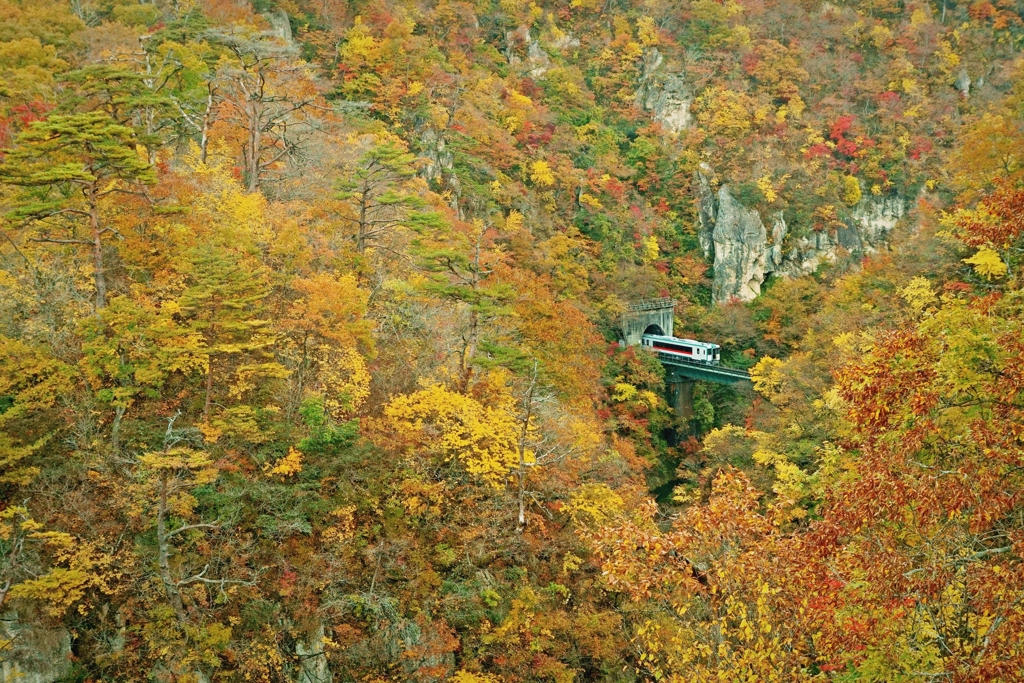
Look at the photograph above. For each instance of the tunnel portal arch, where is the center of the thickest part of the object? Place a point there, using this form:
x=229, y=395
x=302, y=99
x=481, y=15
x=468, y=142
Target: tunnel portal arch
x=641, y=316
x=654, y=329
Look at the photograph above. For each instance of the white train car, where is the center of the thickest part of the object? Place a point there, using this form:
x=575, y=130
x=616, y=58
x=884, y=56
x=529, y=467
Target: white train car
x=689, y=349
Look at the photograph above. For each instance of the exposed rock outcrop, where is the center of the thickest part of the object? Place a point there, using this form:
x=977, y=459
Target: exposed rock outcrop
x=280, y=25
x=740, y=246
x=438, y=159
x=665, y=94
x=313, y=667
x=537, y=61
x=746, y=253
x=35, y=654
x=438, y=165
x=963, y=83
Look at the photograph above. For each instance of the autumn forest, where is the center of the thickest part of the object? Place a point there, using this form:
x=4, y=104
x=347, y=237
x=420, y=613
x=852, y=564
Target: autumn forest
x=313, y=364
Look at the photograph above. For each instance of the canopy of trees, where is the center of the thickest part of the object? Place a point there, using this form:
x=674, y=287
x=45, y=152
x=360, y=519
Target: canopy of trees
x=309, y=360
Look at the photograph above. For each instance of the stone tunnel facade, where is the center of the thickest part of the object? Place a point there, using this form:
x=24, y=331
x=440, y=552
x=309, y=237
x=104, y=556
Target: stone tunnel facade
x=655, y=315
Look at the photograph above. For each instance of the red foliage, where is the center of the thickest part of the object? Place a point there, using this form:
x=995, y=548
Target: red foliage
x=1006, y=203
x=847, y=147
x=750, y=62
x=841, y=127
x=920, y=146
x=981, y=11
x=888, y=98
x=818, y=150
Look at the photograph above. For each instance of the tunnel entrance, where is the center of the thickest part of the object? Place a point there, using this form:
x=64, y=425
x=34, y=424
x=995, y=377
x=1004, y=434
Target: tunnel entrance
x=654, y=329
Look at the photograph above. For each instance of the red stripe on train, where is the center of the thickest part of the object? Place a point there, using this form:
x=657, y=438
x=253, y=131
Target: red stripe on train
x=672, y=350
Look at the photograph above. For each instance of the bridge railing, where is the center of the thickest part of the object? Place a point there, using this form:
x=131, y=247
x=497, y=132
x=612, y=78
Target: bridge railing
x=673, y=359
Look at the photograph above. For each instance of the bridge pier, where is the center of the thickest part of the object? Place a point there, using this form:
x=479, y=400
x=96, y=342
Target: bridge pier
x=680, y=397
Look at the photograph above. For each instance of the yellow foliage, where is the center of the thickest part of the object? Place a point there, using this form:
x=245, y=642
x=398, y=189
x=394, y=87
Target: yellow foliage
x=851, y=190
x=468, y=677
x=85, y=568
x=796, y=106
x=360, y=47
x=421, y=499
x=229, y=215
x=948, y=59
x=764, y=183
x=514, y=222
x=287, y=466
x=651, y=250
x=593, y=504
x=724, y=112
x=454, y=426
x=647, y=31
x=541, y=174
x=987, y=263
x=767, y=376
x=343, y=525
x=918, y=293
x=345, y=380
x=590, y=201
x=623, y=392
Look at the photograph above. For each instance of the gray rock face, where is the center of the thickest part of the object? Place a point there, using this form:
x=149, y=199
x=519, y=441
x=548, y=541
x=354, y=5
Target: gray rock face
x=36, y=654
x=537, y=61
x=281, y=25
x=313, y=666
x=435, y=152
x=439, y=163
x=666, y=95
x=746, y=252
x=963, y=83
x=740, y=242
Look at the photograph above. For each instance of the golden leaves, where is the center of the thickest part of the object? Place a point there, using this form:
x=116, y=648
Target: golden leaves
x=987, y=263
x=286, y=466
x=454, y=426
x=541, y=174
x=768, y=377
x=593, y=504
x=918, y=293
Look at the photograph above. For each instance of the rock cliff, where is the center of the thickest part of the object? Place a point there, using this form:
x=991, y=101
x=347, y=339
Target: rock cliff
x=664, y=93
x=745, y=251
x=33, y=654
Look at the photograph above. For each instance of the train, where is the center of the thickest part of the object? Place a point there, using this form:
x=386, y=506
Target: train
x=688, y=349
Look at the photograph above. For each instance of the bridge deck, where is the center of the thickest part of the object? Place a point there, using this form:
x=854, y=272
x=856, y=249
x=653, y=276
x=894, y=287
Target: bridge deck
x=692, y=369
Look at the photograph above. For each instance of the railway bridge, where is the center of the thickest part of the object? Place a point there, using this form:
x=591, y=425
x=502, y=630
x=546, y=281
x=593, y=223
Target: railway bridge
x=656, y=316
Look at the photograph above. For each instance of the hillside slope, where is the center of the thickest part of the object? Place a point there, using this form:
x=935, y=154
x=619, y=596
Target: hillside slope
x=309, y=316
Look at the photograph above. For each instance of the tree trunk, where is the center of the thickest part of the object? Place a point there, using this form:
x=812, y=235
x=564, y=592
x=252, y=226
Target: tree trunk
x=97, y=248
x=209, y=391
x=523, y=435
x=211, y=340
x=164, y=559
x=252, y=152
x=204, y=133
x=115, y=428
x=361, y=235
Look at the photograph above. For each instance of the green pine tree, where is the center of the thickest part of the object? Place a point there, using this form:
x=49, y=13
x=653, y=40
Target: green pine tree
x=67, y=165
x=225, y=303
